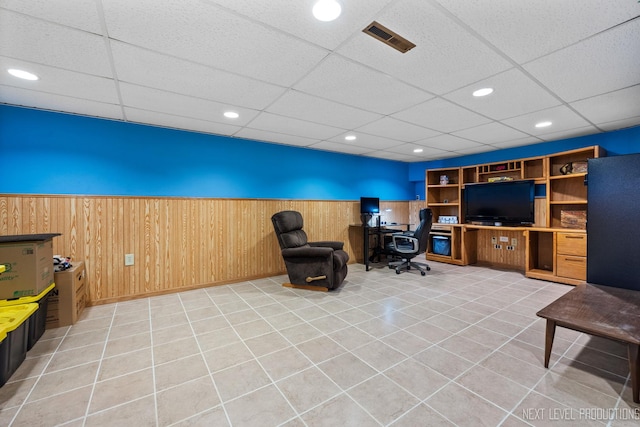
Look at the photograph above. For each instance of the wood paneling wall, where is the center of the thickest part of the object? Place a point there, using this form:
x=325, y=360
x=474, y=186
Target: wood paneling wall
x=178, y=243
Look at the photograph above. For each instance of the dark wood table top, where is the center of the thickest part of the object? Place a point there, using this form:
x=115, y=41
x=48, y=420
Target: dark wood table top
x=598, y=310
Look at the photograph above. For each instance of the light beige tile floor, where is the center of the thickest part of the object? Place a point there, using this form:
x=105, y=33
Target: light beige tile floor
x=461, y=346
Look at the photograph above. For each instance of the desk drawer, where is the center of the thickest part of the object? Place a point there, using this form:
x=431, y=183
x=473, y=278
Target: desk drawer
x=574, y=267
x=572, y=244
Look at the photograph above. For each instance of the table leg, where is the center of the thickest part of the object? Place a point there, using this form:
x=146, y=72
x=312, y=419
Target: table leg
x=551, y=331
x=634, y=369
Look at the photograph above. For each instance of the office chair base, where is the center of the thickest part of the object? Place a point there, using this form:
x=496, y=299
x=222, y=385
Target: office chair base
x=307, y=287
x=402, y=265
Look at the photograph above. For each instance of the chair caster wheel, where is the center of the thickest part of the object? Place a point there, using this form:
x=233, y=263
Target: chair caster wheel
x=423, y=273
x=428, y=269
x=397, y=271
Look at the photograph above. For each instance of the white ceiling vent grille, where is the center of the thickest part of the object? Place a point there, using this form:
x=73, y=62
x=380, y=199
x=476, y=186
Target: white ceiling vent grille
x=388, y=37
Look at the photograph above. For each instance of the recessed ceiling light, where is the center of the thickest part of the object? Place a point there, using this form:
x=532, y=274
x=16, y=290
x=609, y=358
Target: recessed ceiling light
x=21, y=74
x=350, y=137
x=543, y=124
x=483, y=92
x=418, y=150
x=326, y=10
x=231, y=115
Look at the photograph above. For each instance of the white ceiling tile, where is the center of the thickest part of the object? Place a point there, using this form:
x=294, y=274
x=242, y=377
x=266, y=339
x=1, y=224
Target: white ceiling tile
x=474, y=150
x=613, y=106
x=143, y=67
x=569, y=133
x=203, y=33
x=59, y=81
x=386, y=155
x=54, y=45
x=185, y=123
x=562, y=118
x=72, y=13
x=307, y=107
x=445, y=57
x=517, y=142
x=371, y=142
x=290, y=126
x=53, y=102
x=620, y=124
x=299, y=20
x=350, y=83
x=490, y=133
x=514, y=94
x=594, y=66
x=341, y=148
x=408, y=149
x=278, y=138
x=179, y=105
x=442, y=116
x=448, y=143
x=392, y=128
x=528, y=29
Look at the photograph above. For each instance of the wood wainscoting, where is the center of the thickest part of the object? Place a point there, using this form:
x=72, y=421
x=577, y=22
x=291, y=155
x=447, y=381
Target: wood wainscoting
x=177, y=243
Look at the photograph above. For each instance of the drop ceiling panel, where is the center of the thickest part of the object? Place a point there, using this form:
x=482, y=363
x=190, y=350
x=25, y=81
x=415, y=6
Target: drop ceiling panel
x=514, y=94
x=61, y=82
x=278, y=138
x=392, y=128
x=308, y=107
x=563, y=119
x=441, y=115
x=53, y=102
x=170, y=121
x=490, y=133
x=146, y=68
x=613, y=106
x=299, y=21
x=290, y=126
x=72, y=13
x=33, y=40
x=371, y=142
x=594, y=66
x=446, y=57
x=341, y=148
x=450, y=143
x=517, y=142
x=426, y=153
x=349, y=83
x=525, y=30
x=569, y=133
x=619, y=124
x=149, y=99
x=207, y=34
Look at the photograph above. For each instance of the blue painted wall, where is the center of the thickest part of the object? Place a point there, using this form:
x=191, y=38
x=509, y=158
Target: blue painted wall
x=626, y=141
x=52, y=153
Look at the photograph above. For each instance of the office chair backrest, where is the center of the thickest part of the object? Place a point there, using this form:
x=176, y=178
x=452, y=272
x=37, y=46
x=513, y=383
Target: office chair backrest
x=424, y=228
x=288, y=227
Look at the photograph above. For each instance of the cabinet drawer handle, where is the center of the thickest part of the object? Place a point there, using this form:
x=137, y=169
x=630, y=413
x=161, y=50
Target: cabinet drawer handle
x=574, y=237
x=574, y=260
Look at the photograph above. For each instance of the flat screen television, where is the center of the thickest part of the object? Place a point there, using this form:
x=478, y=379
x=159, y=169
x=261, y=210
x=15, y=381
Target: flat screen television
x=370, y=205
x=495, y=203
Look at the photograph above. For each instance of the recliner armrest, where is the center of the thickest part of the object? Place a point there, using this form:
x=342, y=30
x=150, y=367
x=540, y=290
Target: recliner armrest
x=328, y=244
x=307, y=252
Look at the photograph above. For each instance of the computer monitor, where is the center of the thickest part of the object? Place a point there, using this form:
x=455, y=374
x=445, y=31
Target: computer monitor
x=370, y=205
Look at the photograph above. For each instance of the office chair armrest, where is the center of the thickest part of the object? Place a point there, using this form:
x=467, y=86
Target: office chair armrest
x=307, y=252
x=337, y=246
x=400, y=239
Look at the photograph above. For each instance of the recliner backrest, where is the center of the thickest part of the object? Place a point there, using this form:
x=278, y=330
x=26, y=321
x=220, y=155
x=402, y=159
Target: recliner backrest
x=424, y=228
x=288, y=227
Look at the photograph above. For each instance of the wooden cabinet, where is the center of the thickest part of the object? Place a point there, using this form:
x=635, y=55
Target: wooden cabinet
x=571, y=256
x=443, y=192
x=556, y=255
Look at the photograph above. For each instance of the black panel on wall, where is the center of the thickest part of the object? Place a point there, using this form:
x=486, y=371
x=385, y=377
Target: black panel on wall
x=613, y=221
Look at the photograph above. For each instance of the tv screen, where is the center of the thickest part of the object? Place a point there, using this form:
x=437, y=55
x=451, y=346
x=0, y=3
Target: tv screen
x=510, y=202
x=369, y=205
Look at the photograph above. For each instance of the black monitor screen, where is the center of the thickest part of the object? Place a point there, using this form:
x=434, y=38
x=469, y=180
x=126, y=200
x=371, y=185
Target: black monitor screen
x=369, y=205
x=510, y=202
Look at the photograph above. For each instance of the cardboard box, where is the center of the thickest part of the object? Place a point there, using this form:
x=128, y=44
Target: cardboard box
x=69, y=296
x=29, y=264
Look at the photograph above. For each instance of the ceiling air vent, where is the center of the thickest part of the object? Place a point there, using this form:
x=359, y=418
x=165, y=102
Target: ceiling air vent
x=388, y=37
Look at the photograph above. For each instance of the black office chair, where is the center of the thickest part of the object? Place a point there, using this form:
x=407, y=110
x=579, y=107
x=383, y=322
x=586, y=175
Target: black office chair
x=310, y=265
x=410, y=244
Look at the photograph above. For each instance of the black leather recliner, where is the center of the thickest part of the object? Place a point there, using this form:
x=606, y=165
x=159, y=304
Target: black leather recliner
x=310, y=265
x=408, y=245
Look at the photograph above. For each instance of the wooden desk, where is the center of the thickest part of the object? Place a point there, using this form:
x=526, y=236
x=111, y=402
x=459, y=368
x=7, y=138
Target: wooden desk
x=604, y=311
x=378, y=232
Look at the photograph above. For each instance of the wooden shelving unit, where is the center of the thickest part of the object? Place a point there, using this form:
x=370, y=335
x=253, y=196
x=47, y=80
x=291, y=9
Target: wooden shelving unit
x=560, y=215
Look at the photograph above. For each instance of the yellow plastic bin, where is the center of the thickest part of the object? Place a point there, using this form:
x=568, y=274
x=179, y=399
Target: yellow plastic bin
x=39, y=320
x=14, y=326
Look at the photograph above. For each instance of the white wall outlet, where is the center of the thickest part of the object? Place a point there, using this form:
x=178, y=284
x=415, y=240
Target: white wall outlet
x=128, y=259
x=514, y=242
x=494, y=240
